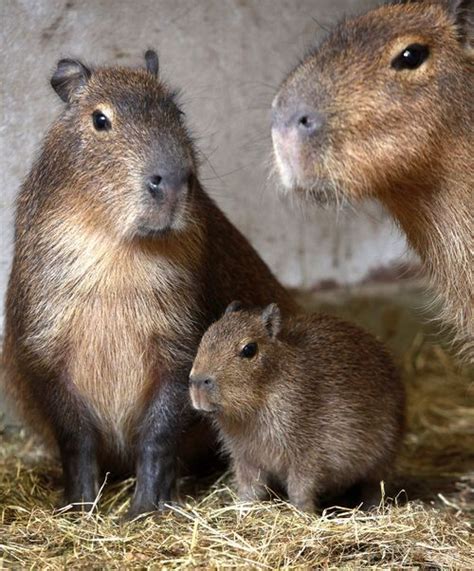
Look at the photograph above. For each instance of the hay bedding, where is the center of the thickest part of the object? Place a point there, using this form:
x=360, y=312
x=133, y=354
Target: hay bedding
x=432, y=530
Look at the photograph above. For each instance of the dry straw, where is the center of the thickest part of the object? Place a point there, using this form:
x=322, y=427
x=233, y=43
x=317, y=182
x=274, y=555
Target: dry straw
x=211, y=530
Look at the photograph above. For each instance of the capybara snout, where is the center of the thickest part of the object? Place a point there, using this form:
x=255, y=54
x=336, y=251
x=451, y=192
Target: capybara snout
x=203, y=392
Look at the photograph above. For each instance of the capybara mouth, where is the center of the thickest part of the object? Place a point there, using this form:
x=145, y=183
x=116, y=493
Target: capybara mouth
x=296, y=179
x=286, y=158
x=162, y=224
x=144, y=231
x=319, y=192
x=200, y=401
x=323, y=193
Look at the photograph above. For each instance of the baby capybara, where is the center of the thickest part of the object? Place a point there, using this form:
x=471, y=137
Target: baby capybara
x=311, y=402
x=121, y=263
x=384, y=108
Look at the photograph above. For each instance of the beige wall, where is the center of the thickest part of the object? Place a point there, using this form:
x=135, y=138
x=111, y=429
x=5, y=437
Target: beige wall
x=228, y=56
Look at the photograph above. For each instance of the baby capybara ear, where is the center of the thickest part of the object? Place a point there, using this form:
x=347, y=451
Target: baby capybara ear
x=233, y=306
x=70, y=75
x=152, y=62
x=462, y=12
x=271, y=317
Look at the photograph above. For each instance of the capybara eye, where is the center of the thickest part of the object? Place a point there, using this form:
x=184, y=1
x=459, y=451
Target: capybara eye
x=249, y=350
x=101, y=122
x=411, y=57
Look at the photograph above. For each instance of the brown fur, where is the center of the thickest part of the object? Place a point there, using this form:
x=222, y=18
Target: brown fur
x=402, y=136
x=319, y=407
x=109, y=291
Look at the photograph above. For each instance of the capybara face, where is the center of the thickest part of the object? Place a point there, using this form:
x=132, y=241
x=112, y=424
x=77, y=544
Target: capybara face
x=130, y=145
x=234, y=361
x=366, y=109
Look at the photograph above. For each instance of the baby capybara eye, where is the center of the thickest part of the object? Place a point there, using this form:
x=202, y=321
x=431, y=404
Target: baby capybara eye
x=249, y=350
x=100, y=121
x=411, y=57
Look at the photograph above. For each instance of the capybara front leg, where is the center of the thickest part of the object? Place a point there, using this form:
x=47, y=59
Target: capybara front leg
x=166, y=419
x=302, y=490
x=78, y=457
x=76, y=437
x=251, y=481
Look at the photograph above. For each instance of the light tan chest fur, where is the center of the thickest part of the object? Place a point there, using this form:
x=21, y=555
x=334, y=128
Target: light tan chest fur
x=109, y=317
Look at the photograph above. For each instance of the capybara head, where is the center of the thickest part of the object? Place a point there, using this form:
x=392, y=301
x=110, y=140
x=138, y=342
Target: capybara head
x=123, y=136
x=373, y=104
x=235, y=360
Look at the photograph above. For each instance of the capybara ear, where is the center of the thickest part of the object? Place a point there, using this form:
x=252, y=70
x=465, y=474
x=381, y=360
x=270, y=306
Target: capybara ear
x=152, y=62
x=271, y=317
x=70, y=75
x=462, y=12
x=233, y=306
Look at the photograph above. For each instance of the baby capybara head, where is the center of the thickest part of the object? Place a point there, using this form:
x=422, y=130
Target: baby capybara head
x=234, y=361
x=373, y=104
x=129, y=154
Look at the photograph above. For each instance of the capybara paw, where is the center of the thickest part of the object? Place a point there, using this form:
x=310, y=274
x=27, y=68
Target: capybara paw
x=253, y=494
x=146, y=509
x=142, y=509
x=75, y=505
x=307, y=505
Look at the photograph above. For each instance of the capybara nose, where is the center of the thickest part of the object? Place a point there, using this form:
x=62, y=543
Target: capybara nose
x=305, y=121
x=309, y=122
x=154, y=186
x=201, y=382
x=160, y=184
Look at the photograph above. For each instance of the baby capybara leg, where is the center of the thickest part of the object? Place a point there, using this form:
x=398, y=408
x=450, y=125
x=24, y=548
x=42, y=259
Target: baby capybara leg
x=251, y=481
x=370, y=494
x=302, y=490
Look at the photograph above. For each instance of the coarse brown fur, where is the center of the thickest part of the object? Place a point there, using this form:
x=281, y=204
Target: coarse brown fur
x=111, y=288
x=403, y=136
x=318, y=408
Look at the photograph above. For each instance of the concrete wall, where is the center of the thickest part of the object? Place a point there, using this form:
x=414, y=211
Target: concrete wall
x=228, y=56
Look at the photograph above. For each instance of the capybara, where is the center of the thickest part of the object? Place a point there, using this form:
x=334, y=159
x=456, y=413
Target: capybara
x=310, y=402
x=384, y=108
x=121, y=262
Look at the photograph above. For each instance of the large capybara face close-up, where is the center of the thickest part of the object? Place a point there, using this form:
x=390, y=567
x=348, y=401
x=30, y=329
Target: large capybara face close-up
x=368, y=108
x=130, y=145
x=234, y=361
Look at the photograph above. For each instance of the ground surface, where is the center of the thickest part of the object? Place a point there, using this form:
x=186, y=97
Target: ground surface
x=433, y=529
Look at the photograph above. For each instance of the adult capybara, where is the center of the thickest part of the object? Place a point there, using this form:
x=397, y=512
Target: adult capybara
x=384, y=108
x=311, y=402
x=121, y=262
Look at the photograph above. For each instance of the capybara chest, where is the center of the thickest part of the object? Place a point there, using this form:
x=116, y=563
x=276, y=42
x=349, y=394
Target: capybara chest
x=113, y=325
x=112, y=359
x=262, y=445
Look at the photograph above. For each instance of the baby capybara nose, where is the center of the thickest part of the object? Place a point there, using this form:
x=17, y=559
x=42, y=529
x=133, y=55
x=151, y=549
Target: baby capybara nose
x=161, y=183
x=198, y=382
x=202, y=393
x=302, y=119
